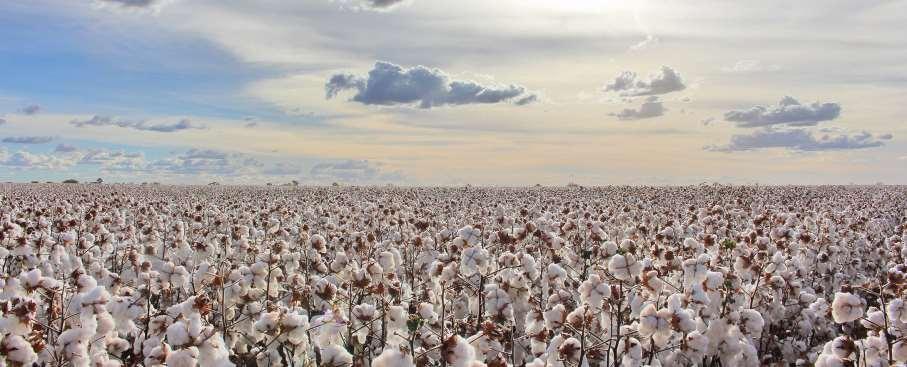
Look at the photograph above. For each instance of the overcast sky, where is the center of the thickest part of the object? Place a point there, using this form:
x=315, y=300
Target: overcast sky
x=504, y=92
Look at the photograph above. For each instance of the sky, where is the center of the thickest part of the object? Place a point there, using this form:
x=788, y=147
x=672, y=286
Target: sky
x=437, y=92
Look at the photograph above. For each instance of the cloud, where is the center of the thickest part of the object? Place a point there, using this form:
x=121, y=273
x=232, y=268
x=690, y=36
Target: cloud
x=651, y=107
x=788, y=111
x=30, y=109
x=65, y=148
x=152, y=5
x=28, y=139
x=354, y=171
x=382, y=4
x=373, y=5
x=184, y=124
x=750, y=66
x=282, y=169
x=800, y=140
x=628, y=83
x=204, y=161
x=2, y=121
x=649, y=42
x=25, y=160
x=388, y=84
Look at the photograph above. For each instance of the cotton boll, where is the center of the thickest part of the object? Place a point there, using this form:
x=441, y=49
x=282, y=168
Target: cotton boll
x=187, y=357
x=17, y=350
x=846, y=307
x=594, y=291
x=457, y=352
x=335, y=355
x=392, y=357
x=177, y=334
x=897, y=310
x=624, y=267
x=387, y=261
x=751, y=323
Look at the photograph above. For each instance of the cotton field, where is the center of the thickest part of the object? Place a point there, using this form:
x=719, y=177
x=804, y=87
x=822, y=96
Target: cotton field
x=121, y=275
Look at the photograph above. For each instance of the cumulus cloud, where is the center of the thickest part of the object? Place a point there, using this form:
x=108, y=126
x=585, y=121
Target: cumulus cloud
x=30, y=109
x=25, y=160
x=354, y=171
x=788, y=111
x=651, y=107
x=388, y=84
x=184, y=124
x=800, y=140
x=28, y=139
x=665, y=81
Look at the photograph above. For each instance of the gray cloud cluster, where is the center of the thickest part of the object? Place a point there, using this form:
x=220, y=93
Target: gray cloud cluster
x=788, y=111
x=800, y=140
x=198, y=161
x=26, y=160
x=382, y=4
x=138, y=4
x=30, y=109
x=665, y=81
x=2, y=121
x=28, y=139
x=651, y=107
x=388, y=84
x=184, y=124
x=190, y=162
x=354, y=171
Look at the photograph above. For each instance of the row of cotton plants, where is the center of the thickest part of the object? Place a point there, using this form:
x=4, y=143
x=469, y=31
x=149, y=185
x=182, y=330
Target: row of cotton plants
x=119, y=275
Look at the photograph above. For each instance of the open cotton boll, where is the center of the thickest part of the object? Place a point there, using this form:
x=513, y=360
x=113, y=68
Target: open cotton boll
x=393, y=357
x=474, y=260
x=17, y=350
x=387, y=261
x=335, y=356
x=594, y=291
x=751, y=323
x=187, y=357
x=897, y=310
x=846, y=307
x=177, y=334
x=457, y=352
x=624, y=267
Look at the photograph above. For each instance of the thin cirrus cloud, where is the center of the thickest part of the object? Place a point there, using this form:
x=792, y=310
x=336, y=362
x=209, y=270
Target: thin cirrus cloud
x=665, y=81
x=388, y=84
x=28, y=139
x=184, y=124
x=650, y=108
x=788, y=111
x=799, y=139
